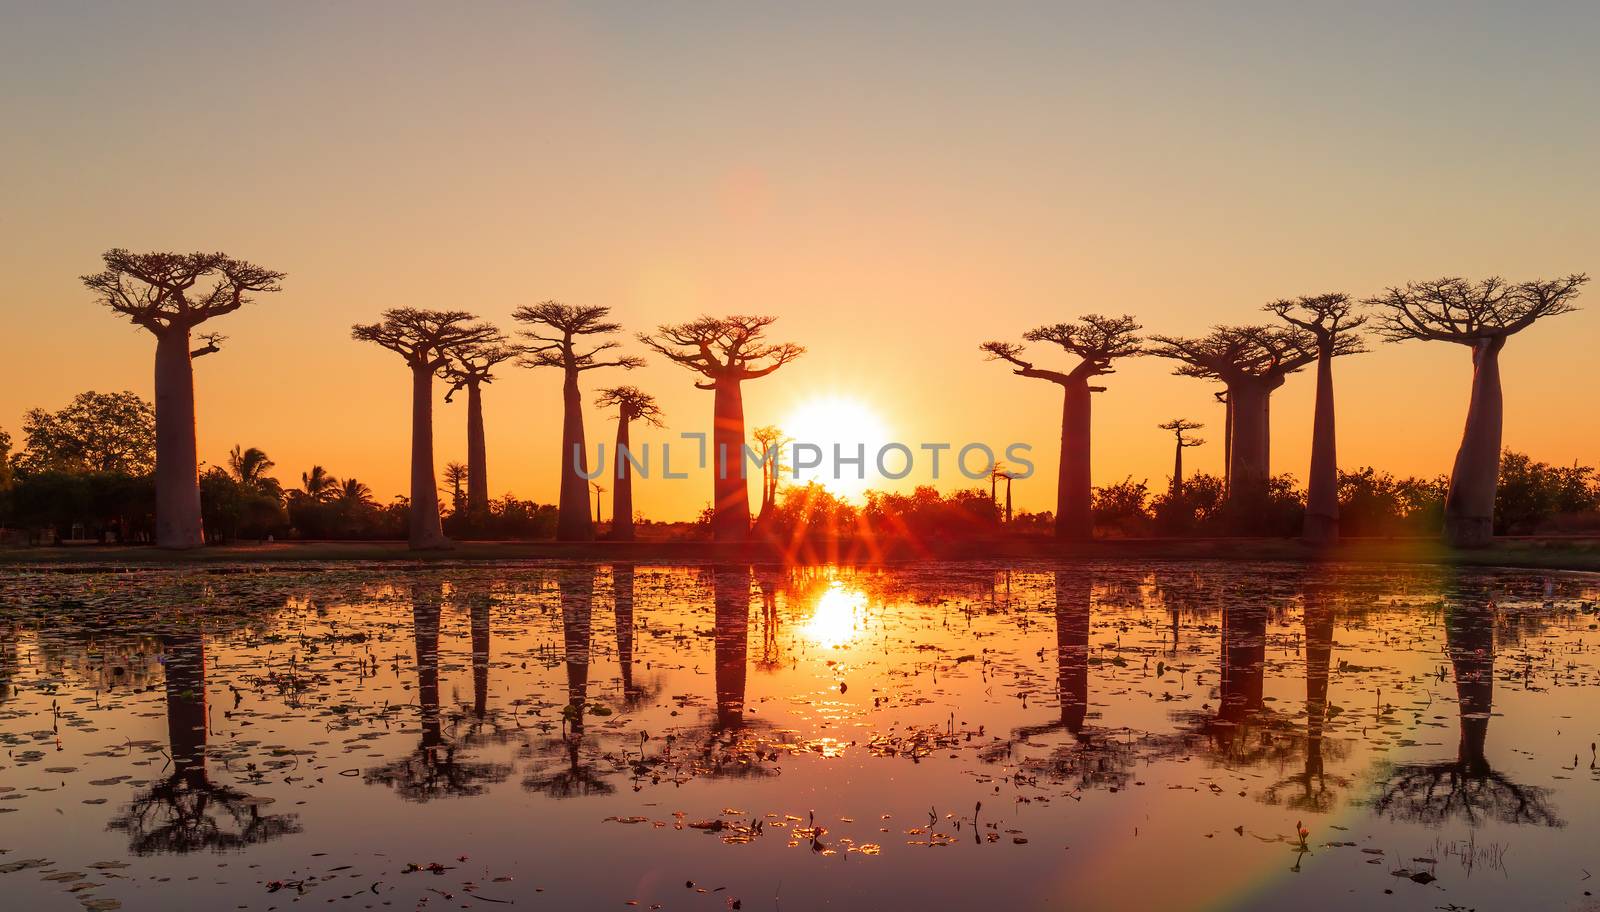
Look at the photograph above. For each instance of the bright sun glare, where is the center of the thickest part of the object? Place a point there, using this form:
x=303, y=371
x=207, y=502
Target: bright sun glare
x=836, y=618
x=847, y=423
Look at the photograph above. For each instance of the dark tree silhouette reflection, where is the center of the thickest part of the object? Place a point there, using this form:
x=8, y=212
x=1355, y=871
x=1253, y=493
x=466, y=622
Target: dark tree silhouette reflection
x=1094, y=758
x=563, y=767
x=1466, y=787
x=186, y=811
x=1314, y=789
x=435, y=769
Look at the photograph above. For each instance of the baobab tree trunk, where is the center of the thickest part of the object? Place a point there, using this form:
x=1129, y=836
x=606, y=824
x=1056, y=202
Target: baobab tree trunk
x=477, y=460
x=730, y=519
x=1073, y=517
x=622, y=500
x=1469, y=507
x=572, y=521
x=1177, y=469
x=1250, y=449
x=1227, y=442
x=177, y=465
x=1322, y=488
x=426, y=530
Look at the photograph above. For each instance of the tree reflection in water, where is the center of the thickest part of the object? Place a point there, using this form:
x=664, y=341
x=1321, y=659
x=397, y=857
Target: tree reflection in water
x=564, y=767
x=1314, y=789
x=186, y=811
x=1095, y=758
x=1466, y=787
x=434, y=769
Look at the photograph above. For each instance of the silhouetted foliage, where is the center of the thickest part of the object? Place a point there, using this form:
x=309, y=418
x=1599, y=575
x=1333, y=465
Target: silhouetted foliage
x=97, y=432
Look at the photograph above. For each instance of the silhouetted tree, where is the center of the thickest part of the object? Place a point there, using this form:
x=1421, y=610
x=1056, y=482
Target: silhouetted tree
x=426, y=340
x=97, y=432
x=318, y=486
x=1481, y=316
x=558, y=342
x=1252, y=361
x=1097, y=341
x=1332, y=323
x=170, y=294
x=772, y=440
x=1178, y=426
x=632, y=404
x=455, y=479
x=726, y=351
x=469, y=368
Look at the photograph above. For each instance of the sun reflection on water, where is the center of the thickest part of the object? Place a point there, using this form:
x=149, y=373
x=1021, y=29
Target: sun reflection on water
x=836, y=618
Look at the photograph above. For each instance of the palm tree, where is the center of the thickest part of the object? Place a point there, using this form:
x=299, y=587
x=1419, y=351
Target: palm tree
x=318, y=485
x=353, y=493
x=249, y=467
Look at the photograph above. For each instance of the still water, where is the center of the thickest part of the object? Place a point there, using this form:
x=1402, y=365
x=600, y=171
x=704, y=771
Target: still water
x=1026, y=736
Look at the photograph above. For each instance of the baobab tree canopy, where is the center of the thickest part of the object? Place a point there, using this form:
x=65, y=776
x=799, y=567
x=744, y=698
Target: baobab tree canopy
x=424, y=338
x=1097, y=341
x=1252, y=361
x=731, y=348
x=474, y=363
x=162, y=291
x=726, y=351
x=1456, y=310
x=631, y=401
x=1481, y=315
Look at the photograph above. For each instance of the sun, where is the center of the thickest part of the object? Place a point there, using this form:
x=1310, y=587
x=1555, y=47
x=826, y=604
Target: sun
x=836, y=421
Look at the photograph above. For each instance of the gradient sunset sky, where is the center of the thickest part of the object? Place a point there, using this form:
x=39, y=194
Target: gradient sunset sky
x=898, y=182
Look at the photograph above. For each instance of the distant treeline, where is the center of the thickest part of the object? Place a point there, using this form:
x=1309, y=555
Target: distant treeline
x=86, y=473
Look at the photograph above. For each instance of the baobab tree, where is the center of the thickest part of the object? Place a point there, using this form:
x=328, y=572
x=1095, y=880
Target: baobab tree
x=772, y=440
x=632, y=404
x=726, y=351
x=170, y=294
x=470, y=367
x=1332, y=322
x=1251, y=361
x=1481, y=316
x=425, y=339
x=557, y=341
x=1097, y=341
x=1178, y=426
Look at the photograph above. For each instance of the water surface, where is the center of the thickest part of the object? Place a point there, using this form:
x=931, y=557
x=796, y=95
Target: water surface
x=1030, y=736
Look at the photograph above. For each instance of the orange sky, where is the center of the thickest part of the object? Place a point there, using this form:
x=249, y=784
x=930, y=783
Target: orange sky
x=897, y=185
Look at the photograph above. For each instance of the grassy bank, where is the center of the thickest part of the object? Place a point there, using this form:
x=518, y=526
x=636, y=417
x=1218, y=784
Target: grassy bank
x=1538, y=553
